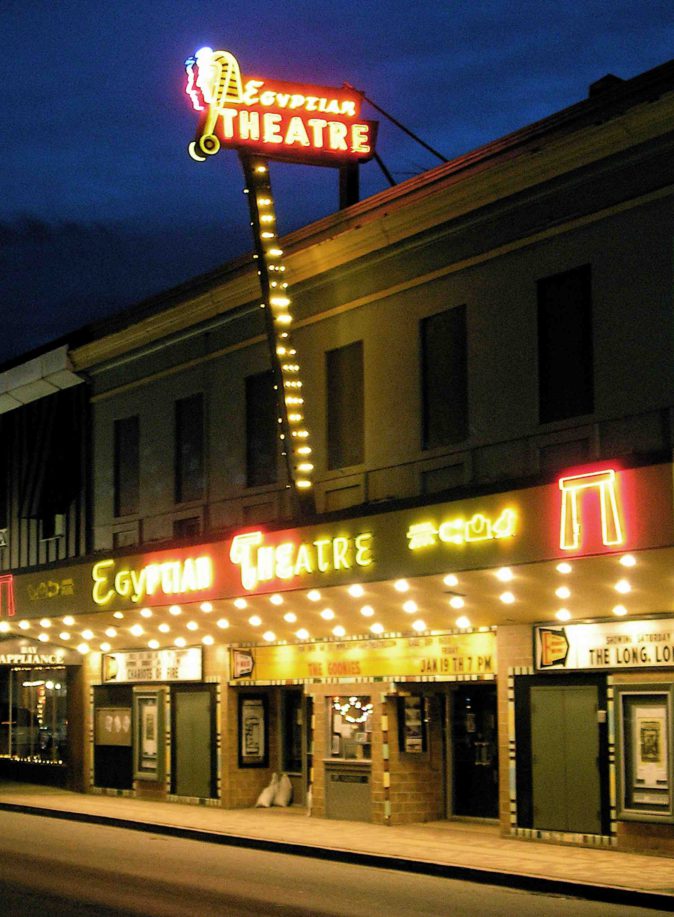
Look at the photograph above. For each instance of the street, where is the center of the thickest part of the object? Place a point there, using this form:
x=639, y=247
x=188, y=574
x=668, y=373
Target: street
x=63, y=868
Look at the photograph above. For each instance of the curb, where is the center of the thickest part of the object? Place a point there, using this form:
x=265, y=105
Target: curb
x=608, y=894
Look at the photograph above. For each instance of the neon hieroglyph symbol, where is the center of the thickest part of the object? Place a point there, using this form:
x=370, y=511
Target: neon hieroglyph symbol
x=573, y=488
x=213, y=80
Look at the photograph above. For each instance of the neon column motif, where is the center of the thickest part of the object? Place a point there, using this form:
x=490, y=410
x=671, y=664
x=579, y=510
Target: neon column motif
x=572, y=489
x=7, y=595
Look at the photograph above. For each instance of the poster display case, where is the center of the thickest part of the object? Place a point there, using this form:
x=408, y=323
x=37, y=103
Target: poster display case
x=253, y=730
x=412, y=720
x=149, y=744
x=645, y=752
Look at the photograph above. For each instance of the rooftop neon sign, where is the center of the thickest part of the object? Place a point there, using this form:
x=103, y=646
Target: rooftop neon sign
x=278, y=120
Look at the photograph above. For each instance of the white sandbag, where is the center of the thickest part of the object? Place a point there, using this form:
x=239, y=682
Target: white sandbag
x=268, y=794
x=284, y=791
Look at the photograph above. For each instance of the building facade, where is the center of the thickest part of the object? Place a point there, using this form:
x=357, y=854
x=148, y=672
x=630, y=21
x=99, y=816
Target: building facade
x=475, y=617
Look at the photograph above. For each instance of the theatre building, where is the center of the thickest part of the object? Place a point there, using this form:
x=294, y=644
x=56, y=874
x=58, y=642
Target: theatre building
x=467, y=609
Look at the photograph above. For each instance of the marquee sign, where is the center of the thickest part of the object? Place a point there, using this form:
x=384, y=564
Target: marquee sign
x=639, y=644
x=292, y=122
x=153, y=665
x=440, y=657
x=599, y=511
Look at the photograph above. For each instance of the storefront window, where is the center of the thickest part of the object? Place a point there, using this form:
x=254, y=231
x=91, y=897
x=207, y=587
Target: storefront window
x=351, y=720
x=33, y=724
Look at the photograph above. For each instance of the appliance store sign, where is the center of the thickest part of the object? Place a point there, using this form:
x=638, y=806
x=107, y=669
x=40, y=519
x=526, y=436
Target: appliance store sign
x=615, y=645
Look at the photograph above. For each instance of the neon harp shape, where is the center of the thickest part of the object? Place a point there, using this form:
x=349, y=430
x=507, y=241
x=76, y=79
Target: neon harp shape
x=572, y=489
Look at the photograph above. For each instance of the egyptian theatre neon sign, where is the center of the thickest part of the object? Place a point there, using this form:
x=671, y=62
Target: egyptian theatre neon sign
x=278, y=120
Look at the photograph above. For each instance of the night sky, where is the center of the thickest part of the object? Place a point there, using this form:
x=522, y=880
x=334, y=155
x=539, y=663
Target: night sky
x=101, y=206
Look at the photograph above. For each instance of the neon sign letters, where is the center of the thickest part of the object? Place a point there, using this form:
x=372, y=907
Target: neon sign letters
x=170, y=578
x=573, y=488
x=276, y=119
x=460, y=530
x=260, y=562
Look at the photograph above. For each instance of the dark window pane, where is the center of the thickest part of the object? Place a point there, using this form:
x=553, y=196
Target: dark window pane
x=261, y=429
x=292, y=730
x=187, y=528
x=127, y=465
x=345, y=406
x=565, y=366
x=189, y=445
x=444, y=369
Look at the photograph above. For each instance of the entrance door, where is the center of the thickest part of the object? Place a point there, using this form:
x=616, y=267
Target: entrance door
x=566, y=785
x=474, y=751
x=192, y=742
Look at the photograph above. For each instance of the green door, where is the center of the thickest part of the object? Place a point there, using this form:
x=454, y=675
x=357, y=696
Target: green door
x=565, y=759
x=192, y=755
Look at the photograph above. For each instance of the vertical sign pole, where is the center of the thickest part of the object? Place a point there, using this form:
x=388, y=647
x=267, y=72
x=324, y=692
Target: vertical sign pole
x=276, y=304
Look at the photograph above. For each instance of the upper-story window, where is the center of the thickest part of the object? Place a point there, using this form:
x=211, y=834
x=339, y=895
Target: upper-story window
x=444, y=378
x=345, y=413
x=127, y=465
x=189, y=448
x=565, y=363
x=261, y=429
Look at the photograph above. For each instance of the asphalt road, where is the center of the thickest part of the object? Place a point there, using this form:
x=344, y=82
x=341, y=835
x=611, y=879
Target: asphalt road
x=55, y=868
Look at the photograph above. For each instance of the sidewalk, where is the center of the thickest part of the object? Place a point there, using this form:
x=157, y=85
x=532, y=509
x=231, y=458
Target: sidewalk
x=474, y=852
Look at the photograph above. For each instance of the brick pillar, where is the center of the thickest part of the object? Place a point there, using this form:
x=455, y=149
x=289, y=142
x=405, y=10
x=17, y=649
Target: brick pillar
x=514, y=650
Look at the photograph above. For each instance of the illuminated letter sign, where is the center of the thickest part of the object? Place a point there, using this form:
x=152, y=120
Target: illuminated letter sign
x=461, y=530
x=278, y=120
x=168, y=578
x=261, y=563
x=572, y=489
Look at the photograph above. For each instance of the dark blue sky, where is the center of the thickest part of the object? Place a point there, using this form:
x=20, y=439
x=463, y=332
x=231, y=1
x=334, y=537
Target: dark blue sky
x=101, y=205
